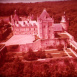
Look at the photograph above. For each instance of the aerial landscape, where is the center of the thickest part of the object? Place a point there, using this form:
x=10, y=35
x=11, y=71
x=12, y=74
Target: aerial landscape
x=38, y=38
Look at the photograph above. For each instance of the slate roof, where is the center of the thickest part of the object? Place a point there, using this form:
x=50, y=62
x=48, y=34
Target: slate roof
x=57, y=27
x=44, y=15
x=15, y=17
x=19, y=39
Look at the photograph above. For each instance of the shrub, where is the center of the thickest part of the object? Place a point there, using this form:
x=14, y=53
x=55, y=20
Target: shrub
x=9, y=57
x=40, y=54
x=49, y=47
x=48, y=55
x=12, y=69
x=60, y=47
x=27, y=71
x=30, y=55
x=66, y=61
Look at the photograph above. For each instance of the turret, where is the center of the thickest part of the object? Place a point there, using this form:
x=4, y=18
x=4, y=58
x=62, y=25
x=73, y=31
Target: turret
x=64, y=22
x=45, y=22
x=11, y=20
x=16, y=18
x=14, y=11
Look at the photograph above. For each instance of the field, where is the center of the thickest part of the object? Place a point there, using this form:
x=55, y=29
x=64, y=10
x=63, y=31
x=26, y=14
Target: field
x=15, y=66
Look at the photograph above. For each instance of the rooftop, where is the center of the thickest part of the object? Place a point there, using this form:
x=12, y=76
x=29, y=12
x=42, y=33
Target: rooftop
x=57, y=27
x=19, y=39
x=26, y=23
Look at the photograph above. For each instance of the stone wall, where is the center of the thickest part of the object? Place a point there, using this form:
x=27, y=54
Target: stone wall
x=41, y=44
x=37, y=45
x=34, y=46
x=51, y=42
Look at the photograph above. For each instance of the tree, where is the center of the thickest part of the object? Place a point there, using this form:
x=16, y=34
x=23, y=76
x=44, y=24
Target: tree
x=40, y=54
x=60, y=47
x=27, y=71
x=30, y=55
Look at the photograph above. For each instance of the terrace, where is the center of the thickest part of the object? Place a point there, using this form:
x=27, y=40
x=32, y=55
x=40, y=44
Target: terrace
x=19, y=39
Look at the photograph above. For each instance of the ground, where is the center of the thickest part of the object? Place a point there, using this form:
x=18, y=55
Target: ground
x=53, y=53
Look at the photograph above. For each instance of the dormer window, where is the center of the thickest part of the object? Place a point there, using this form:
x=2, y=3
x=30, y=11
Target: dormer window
x=24, y=23
x=46, y=16
x=17, y=22
x=44, y=26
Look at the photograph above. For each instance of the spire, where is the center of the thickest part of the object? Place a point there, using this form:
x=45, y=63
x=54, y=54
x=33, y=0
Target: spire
x=64, y=22
x=44, y=9
x=53, y=19
x=16, y=18
x=64, y=13
x=44, y=14
x=14, y=11
x=63, y=18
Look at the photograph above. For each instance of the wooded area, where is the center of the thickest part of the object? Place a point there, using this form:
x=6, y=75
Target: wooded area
x=55, y=9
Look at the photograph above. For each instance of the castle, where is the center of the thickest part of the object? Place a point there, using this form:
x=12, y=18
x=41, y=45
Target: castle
x=46, y=32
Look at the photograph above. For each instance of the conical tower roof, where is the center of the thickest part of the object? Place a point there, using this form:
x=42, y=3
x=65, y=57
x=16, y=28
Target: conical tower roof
x=44, y=15
x=64, y=19
x=15, y=17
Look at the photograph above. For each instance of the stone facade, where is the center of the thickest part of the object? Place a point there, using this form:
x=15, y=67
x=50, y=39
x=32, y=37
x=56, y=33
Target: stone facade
x=44, y=28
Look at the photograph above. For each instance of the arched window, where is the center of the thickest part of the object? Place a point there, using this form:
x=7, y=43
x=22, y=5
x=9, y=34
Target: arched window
x=24, y=23
x=44, y=26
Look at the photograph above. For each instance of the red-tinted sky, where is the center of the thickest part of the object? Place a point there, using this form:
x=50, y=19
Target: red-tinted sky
x=25, y=1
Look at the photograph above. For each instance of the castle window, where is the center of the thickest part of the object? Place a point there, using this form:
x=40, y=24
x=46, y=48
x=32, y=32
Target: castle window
x=29, y=29
x=24, y=23
x=34, y=24
x=17, y=22
x=48, y=26
x=46, y=16
x=27, y=21
x=34, y=29
x=49, y=31
x=44, y=26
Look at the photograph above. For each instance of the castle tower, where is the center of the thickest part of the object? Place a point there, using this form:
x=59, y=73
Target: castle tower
x=64, y=22
x=51, y=29
x=45, y=29
x=12, y=21
x=16, y=18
